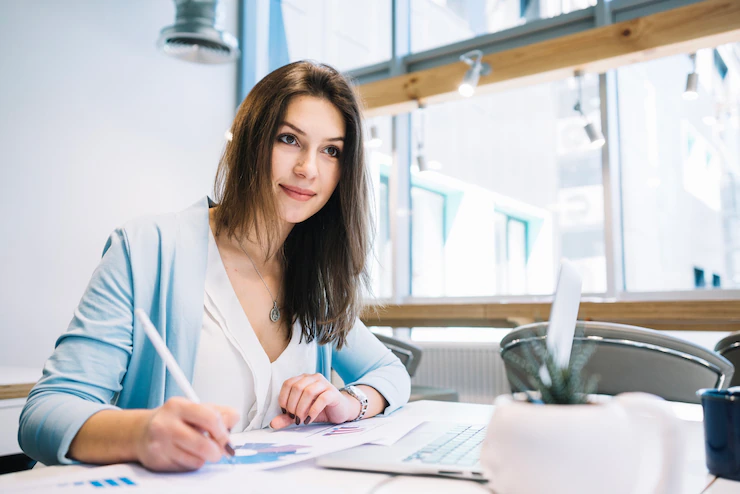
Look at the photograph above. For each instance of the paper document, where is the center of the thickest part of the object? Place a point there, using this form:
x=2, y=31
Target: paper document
x=135, y=478
x=255, y=450
x=220, y=479
x=263, y=449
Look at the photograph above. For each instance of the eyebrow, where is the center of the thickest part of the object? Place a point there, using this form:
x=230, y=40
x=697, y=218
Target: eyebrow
x=303, y=133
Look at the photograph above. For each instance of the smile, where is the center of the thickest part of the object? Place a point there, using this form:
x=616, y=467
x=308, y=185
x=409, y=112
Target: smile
x=297, y=193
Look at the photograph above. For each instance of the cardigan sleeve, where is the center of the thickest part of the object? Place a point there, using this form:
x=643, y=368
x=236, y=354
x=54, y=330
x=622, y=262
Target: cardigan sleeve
x=83, y=375
x=365, y=360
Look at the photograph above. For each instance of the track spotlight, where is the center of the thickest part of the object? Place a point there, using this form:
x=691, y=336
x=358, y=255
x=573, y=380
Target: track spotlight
x=692, y=81
x=375, y=140
x=594, y=135
x=421, y=160
x=477, y=68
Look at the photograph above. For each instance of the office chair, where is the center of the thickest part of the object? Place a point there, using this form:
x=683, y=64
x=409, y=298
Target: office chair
x=410, y=356
x=631, y=358
x=729, y=348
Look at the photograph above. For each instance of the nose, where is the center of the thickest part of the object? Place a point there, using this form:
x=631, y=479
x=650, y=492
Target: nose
x=307, y=166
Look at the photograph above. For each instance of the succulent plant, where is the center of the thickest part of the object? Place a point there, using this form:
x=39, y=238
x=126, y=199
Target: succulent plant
x=555, y=386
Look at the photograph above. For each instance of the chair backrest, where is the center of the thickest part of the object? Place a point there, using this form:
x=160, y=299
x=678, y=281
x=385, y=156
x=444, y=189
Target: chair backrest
x=729, y=348
x=408, y=353
x=631, y=358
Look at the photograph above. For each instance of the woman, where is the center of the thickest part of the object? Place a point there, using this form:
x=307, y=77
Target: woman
x=257, y=297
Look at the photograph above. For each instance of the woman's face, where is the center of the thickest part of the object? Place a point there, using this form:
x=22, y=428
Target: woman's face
x=306, y=157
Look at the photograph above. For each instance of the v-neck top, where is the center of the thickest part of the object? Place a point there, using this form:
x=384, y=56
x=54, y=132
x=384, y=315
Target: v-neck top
x=231, y=366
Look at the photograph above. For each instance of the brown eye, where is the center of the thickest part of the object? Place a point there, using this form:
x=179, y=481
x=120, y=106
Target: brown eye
x=289, y=139
x=332, y=151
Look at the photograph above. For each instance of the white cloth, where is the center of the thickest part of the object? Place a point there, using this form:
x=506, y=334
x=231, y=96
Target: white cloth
x=231, y=367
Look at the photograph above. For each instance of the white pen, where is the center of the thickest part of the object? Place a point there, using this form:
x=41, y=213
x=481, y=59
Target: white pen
x=171, y=363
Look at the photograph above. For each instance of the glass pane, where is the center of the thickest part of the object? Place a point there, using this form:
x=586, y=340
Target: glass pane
x=681, y=173
x=427, y=241
x=520, y=185
x=379, y=158
x=439, y=22
x=516, y=255
x=346, y=34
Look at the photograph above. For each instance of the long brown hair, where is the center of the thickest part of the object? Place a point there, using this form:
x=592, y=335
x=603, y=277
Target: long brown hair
x=324, y=257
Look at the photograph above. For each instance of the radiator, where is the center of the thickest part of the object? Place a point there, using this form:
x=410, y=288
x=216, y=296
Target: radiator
x=474, y=369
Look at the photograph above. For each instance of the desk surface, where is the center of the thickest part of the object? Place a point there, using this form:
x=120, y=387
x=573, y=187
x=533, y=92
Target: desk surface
x=696, y=477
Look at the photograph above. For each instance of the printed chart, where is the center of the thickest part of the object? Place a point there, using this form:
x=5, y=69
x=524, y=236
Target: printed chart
x=101, y=483
x=252, y=453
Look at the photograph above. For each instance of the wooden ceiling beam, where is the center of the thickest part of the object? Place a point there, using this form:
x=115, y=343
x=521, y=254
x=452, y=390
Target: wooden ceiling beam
x=681, y=30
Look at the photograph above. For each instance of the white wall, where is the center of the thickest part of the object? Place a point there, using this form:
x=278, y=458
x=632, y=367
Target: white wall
x=97, y=127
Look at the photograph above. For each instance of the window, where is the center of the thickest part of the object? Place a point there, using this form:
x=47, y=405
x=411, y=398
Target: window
x=330, y=31
x=679, y=162
x=440, y=22
x=379, y=159
x=518, y=186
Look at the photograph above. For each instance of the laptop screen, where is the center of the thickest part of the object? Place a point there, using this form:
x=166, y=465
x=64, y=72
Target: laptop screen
x=564, y=313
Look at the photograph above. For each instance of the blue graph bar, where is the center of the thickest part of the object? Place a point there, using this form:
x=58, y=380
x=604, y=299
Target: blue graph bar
x=111, y=482
x=127, y=481
x=96, y=483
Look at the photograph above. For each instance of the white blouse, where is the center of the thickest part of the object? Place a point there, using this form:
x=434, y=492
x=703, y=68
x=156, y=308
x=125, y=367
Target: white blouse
x=231, y=367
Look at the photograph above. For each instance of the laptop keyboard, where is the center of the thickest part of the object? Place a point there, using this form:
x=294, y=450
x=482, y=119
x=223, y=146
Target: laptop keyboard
x=458, y=446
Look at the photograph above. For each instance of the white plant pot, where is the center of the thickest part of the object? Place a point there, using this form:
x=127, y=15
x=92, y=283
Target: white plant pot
x=628, y=444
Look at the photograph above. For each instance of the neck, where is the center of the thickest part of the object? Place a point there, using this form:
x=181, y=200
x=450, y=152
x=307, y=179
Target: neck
x=255, y=242
x=256, y=249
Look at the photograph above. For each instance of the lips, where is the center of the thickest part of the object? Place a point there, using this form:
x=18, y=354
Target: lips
x=297, y=193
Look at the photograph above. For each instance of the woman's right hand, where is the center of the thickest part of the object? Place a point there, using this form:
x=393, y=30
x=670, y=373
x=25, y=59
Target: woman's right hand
x=174, y=439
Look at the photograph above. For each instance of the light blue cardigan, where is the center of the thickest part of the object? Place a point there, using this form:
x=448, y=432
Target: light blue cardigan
x=104, y=360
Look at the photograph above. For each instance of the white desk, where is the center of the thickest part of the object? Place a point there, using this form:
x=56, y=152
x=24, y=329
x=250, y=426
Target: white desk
x=306, y=477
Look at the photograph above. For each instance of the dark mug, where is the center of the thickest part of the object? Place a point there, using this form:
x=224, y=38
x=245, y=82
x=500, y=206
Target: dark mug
x=722, y=431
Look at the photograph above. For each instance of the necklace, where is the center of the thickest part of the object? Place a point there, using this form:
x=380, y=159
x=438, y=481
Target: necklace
x=274, y=312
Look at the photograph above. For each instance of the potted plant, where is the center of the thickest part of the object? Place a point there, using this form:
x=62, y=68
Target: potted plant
x=557, y=437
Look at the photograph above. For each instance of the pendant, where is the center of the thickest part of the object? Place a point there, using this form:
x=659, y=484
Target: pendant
x=275, y=312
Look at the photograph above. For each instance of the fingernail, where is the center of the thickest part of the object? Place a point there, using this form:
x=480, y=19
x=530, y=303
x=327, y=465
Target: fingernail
x=308, y=419
x=284, y=410
x=291, y=415
x=229, y=449
x=297, y=421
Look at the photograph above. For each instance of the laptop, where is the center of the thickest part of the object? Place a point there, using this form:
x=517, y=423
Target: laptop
x=453, y=449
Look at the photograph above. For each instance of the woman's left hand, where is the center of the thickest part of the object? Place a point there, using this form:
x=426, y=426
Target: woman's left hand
x=310, y=398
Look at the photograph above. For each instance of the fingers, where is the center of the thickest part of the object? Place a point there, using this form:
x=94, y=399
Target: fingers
x=196, y=444
x=323, y=400
x=173, y=445
x=282, y=421
x=206, y=418
x=285, y=392
x=302, y=393
x=229, y=416
x=175, y=440
x=185, y=461
x=305, y=397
